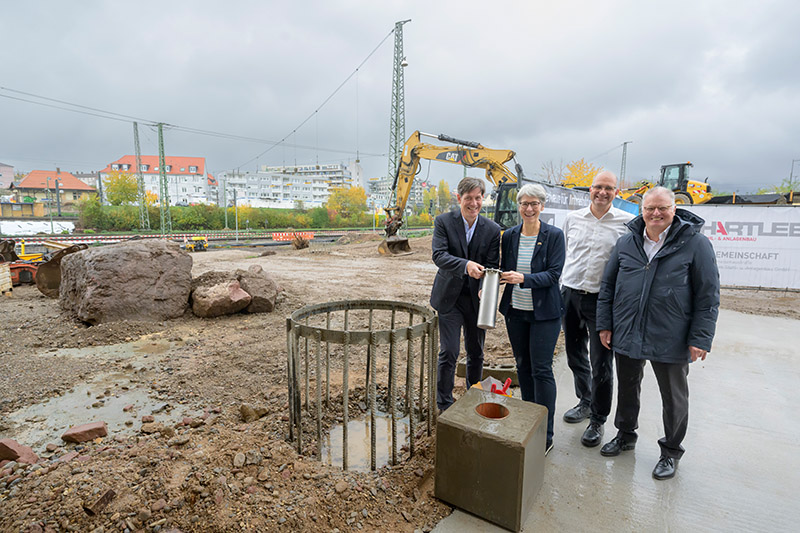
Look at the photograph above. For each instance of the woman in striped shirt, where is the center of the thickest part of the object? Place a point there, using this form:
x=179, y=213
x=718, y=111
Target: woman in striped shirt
x=532, y=259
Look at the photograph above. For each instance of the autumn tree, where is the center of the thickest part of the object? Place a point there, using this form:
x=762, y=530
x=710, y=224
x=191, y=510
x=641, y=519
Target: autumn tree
x=430, y=197
x=580, y=173
x=347, y=202
x=444, y=196
x=150, y=198
x=787, y=185
x=121, y=188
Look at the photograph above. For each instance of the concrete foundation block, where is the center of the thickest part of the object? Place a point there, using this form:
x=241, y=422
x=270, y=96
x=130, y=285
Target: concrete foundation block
x=490, y=456
x=497, y=371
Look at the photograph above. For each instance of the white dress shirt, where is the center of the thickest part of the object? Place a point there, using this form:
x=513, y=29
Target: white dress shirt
x=589, y=243
x=651, y=248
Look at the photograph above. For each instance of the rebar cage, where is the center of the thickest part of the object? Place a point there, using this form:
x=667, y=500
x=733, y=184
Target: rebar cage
x=313, y=324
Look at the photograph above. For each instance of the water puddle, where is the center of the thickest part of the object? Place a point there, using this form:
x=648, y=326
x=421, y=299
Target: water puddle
x=358, y=442
x=100, y=399
x=136, y=351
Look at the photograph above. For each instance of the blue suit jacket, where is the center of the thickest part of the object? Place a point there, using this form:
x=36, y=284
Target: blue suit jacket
x=451, y=253
x=546, y=266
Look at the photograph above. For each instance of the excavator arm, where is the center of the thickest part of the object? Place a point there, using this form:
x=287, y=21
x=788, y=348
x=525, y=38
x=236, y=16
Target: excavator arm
x=465, y=153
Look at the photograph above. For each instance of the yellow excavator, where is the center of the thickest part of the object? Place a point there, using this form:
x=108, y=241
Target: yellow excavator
x=44, y=269
x=467, y=153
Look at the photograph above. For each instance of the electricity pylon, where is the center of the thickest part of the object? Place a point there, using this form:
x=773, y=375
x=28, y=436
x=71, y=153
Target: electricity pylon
x=144, y=217
x=624, y=161
x=163, y=185
x=397, y=121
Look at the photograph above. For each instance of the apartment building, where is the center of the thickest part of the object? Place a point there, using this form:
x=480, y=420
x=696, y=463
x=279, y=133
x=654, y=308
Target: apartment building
x=187, y=182
x=285, y=186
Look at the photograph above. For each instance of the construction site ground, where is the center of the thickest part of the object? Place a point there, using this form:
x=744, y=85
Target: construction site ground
x=194, y=375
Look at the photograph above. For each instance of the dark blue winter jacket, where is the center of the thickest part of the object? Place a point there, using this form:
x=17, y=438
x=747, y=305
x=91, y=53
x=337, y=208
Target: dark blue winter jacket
x=657, y=309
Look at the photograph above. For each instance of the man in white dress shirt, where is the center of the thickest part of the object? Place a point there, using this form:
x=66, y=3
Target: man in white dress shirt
x=591, y=233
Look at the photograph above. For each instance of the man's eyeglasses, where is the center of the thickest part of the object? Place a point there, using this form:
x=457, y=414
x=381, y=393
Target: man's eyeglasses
x=606, y=188
x=660, y=208
x=526, y=205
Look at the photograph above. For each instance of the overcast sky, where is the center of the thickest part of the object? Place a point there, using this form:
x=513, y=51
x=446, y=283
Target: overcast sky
x=712, y=82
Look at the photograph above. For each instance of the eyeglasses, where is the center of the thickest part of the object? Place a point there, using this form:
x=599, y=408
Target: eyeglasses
x=661, y=208
x=606, y=188
x=526, y=205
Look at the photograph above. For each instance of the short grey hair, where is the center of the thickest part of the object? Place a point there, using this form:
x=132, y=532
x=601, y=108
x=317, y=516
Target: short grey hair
x=533, y=190
x=468, y=184
x=660, y=190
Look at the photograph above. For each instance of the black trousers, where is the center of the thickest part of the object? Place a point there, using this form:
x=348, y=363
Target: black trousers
x=592, y=364
x=674, y=387
x=463, y=316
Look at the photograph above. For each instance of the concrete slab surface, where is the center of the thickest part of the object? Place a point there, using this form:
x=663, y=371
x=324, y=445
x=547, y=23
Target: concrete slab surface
x=741, y=470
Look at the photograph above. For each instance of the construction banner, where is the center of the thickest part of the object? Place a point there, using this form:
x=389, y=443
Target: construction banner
x=756, y=246
x=562, y=200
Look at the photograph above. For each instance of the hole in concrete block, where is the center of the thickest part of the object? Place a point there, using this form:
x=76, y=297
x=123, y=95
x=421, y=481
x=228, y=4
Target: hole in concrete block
x=492, y=410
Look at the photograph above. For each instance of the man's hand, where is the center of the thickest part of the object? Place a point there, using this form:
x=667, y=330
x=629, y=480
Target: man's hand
x=474, y=270
x=697, y=353
x=605, y=337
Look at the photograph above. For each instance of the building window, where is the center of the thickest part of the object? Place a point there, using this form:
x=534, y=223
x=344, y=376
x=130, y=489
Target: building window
x=126, y=167
x=144, y=168
x=168, y=168
x=192, y=169
x=114, y=167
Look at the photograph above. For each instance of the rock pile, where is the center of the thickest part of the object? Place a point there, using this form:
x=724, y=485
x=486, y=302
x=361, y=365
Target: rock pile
x=216, y=293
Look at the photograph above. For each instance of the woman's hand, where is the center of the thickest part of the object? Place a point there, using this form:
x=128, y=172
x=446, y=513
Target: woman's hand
x=512, y=277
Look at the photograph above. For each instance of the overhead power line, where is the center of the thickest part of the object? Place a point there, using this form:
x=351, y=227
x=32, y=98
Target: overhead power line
x=281, y=142
x=121, y=117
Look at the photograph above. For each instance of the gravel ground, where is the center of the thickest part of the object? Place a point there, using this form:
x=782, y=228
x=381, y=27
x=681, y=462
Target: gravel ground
x=202, y=465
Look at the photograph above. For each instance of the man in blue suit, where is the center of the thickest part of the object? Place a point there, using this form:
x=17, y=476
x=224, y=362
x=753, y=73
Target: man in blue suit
x=464, y=245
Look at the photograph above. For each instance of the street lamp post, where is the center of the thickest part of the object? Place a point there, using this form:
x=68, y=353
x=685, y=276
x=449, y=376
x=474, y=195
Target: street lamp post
x=236, y=212
x=791, y=173
x=58, y=196
x=49, y=205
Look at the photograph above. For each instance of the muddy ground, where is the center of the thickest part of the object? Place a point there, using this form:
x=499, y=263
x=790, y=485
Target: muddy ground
x=201, y=466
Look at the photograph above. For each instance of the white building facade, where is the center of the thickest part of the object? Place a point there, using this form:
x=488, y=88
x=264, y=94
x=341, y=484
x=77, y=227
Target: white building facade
x=287, y=186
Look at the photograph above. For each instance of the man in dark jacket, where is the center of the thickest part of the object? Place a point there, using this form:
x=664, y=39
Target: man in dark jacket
x=658, y=302
x=464, y=244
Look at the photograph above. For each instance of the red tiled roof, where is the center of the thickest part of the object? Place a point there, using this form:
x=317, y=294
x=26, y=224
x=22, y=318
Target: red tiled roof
x=37, y=179
x=176, y=163
x=212, y=180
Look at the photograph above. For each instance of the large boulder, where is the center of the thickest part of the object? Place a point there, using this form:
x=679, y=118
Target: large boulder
x=147, y=279
x=259, y=285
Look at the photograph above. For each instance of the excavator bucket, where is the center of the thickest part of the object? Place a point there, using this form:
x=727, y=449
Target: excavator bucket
x=7, y=252
x=394, y=245
x=48, y=275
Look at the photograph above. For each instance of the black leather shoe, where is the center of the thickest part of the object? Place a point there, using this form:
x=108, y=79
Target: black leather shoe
x=548, y=446
x=579, y=413
x=615, y=446
x=665, y=468
x=593, y=435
